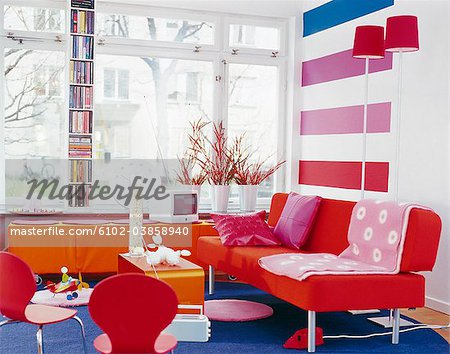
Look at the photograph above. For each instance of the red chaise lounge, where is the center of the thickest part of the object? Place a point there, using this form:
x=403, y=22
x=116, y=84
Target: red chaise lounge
x=333, y=292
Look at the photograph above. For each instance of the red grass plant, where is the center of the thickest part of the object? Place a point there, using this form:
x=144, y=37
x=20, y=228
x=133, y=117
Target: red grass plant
x=188, y=163
x=248, y=172
x=219, y=163
x=254, y=173
x=214, y=156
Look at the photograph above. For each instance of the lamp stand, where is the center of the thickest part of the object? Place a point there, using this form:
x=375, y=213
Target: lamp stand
x=387, y=321
x=364, y=143
x=399, y=115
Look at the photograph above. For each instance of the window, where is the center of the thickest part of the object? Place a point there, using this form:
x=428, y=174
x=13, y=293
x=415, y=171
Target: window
x=259, y=37
x=253, y=105
x=47, y=20
x=24, y=18
x=155, y=29
x=165, y=94
x=192, y=87
x=116, y=83
x=123, y=82
x=34, y=116
x=35, y=111
x=47, y=81
x=32, y=96
x=242, y=35
x=157, y=71
x=253, y=111
x=109, y=83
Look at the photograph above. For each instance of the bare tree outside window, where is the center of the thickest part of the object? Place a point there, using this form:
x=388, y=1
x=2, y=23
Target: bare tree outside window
x=34, y=99
x=37, y=19
x=119, y=25
x=34, y=103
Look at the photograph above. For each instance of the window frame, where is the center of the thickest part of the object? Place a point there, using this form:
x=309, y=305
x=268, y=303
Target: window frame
x=139, y=10
x=217, y=53
x=48, y=41
x=43, y=35
x=250, y=21
x=280, y=63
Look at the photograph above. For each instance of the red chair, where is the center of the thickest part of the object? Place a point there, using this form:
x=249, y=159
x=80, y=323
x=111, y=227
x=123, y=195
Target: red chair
x=17, y=287
x=132, y=310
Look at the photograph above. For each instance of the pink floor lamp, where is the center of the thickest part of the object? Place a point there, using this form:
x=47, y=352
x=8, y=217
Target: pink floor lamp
x=368, y=44
x=402, y=35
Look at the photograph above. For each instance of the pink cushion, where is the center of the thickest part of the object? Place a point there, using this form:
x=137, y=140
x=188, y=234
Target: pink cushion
x=244, y=229
x=296, y=220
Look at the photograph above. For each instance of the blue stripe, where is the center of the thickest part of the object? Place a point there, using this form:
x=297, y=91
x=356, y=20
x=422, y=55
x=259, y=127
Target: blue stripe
x=336, y=12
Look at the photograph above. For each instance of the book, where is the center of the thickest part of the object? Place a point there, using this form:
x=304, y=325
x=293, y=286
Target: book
x=80, y=122
x=81, y=171
x=87, y=4
x=82, y=47
x=80, y=146
x=81, y=72
x=81, y=97
x=79, y=195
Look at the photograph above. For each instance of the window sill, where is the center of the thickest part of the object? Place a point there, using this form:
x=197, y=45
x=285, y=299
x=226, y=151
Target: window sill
x=233, y=208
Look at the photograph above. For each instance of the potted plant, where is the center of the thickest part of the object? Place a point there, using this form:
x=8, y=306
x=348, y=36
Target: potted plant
x=217, y=160
x=189, y=173
x=249, y=175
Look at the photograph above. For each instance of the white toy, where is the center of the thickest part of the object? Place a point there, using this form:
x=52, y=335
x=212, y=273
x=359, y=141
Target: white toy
x=164, y=254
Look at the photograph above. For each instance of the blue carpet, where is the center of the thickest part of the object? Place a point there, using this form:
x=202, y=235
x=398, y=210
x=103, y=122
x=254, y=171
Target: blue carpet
x=262, y=336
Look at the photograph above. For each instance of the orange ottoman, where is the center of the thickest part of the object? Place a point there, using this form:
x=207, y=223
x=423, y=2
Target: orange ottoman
x=186, y=278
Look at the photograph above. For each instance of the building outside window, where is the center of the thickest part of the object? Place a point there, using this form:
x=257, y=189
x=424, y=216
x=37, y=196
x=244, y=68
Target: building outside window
x=192, y=86
x=116, y=83
x=244, y=35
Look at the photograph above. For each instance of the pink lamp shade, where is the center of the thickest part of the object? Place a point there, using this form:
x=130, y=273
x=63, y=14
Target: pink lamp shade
x=369, y=42
x=402, y=34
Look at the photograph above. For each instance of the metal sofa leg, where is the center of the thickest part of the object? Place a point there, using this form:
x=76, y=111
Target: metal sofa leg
x=396, y=326
x=5, y=322
x=40, y=340
x=211, y=280
x=83, y=334
x=311, y=331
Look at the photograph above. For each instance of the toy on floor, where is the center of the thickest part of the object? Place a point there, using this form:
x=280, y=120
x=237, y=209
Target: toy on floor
x=299, y=340
x=67, y=285
x=164, y=254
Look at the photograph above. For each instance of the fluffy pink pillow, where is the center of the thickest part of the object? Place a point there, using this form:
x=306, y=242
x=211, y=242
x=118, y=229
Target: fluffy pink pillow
x=296, y=220
x=244, y=229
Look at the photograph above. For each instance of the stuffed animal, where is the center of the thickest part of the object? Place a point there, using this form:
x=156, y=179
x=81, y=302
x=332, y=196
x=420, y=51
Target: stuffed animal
x=164, y=254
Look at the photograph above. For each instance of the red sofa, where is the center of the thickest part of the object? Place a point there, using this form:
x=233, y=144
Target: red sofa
x=333, y=292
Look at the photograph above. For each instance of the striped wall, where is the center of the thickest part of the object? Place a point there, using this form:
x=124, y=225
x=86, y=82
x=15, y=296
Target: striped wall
x=344, y=174
x=325, y=141
x=336, y=12
x=332, y=89
x=338, y=66
x=346, y=120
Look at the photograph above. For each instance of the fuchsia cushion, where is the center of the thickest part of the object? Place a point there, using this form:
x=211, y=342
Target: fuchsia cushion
x=244, y=229
x=296, y=220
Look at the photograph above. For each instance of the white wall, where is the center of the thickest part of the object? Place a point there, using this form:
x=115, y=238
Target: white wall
x=424, y=159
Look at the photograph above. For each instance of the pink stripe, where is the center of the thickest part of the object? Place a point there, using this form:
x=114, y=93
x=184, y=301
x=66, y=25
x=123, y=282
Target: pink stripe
x=346, y=120
x=340, y=66
x=344, y=174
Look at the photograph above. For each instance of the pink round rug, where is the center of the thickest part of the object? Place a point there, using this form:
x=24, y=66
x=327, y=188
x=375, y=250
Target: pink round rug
x=236, y=310
x=46, y=297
